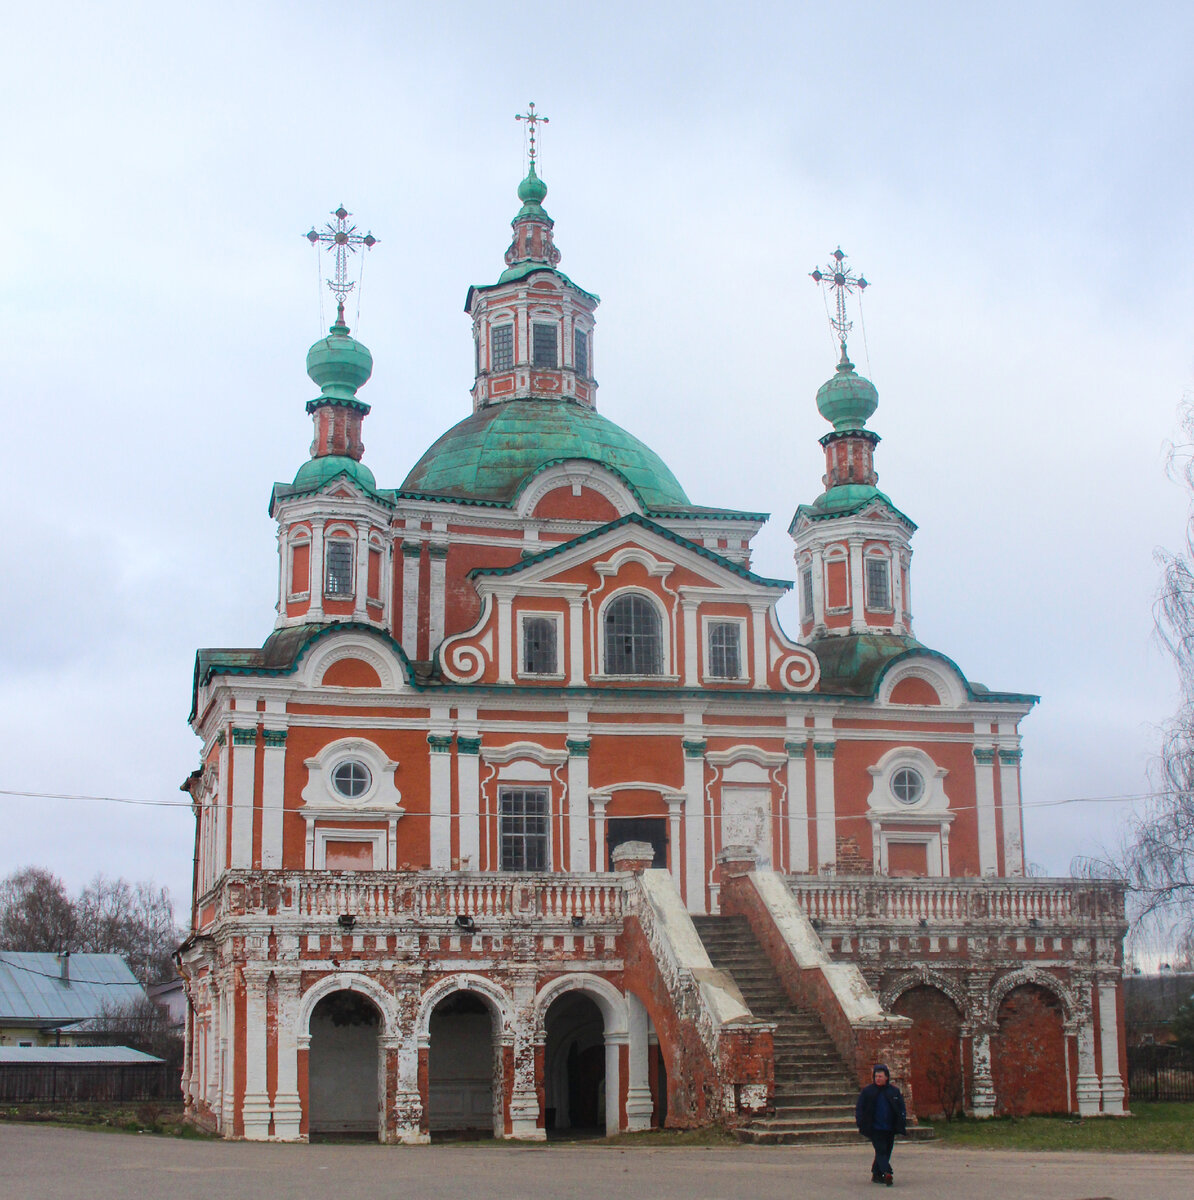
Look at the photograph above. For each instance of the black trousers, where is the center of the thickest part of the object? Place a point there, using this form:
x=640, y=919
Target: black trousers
x=882, y=1140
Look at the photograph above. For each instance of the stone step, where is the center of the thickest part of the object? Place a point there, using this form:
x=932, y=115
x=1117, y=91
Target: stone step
x=797, y=1137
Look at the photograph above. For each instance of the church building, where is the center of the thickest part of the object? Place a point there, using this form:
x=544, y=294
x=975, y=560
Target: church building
x=528, y=816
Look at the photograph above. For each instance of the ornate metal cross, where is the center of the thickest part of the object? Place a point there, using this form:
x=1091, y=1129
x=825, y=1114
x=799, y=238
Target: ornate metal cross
x=844, y=282
x=344, y=240
x=532, y=118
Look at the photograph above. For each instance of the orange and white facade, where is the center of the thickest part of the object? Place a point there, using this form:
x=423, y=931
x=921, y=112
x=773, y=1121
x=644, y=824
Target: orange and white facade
x=410, y=798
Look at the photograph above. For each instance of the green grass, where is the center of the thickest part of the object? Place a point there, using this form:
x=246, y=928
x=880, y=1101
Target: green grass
x=1152, y=1128
x=148, y=1117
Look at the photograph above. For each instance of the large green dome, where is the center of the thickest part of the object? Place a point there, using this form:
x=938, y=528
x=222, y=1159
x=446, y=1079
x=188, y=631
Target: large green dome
x=490, y=455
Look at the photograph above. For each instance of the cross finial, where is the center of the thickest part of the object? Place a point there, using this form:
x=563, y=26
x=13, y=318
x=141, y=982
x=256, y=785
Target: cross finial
x=838, y=277
x=343, y=239
x=532, y=118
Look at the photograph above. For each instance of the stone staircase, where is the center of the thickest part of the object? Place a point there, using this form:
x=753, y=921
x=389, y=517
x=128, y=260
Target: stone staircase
x=814, y=1089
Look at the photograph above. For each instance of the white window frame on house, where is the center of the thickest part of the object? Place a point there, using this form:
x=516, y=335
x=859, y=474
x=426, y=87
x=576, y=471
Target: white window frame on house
x=807, y=602
x=708, y=624
x=331, y=538
x=665, y=640
x=301, y=538
x=872, y=558
x=546, y=615
x=377, y=838
x=924, y=822
x=507, y=790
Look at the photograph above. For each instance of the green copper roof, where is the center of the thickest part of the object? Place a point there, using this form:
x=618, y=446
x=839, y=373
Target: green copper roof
x=315, y=472
x=844, y=500
x=491, y=454
x=531, y=191
x=847, y=399
x=339, y=364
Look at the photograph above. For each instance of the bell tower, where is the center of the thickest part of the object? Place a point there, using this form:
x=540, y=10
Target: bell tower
x=852, y=544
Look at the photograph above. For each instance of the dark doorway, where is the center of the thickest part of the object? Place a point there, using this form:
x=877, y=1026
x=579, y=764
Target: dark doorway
x=461, y=1068
x=637, y=829
x=344, y=1066
x=574, y=1065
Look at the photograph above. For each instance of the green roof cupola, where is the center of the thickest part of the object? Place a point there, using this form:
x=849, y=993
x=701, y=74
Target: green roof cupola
x=847, y=400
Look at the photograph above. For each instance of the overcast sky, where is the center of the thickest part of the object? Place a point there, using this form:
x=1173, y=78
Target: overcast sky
x=1013, y=179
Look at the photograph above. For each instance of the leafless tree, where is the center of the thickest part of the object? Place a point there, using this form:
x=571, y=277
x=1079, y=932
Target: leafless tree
x=35, y=912
x=143, y=1025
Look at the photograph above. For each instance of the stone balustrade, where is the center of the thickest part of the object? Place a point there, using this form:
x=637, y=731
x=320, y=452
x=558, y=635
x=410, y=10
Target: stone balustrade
x=851, y=903
x=417, y=897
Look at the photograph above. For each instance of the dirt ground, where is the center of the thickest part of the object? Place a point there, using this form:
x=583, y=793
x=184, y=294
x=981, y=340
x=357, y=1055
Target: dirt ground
x=46, y=1163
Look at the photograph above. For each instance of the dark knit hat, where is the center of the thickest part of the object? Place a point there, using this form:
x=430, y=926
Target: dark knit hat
x=880, y=1067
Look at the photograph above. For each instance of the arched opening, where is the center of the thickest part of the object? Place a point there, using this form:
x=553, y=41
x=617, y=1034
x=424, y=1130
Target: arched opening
x=1028, y=1054
x=574, y=1065
x=633, y=636
x=464, y=1069
x=344, y=1066
x=936, y=1044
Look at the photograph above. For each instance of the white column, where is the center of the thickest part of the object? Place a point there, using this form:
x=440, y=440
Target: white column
x=897, y=591
x=1009, y=789
x=579, y=850
x=576, y=643
x=691, y=645
x=818, y=590
x=613, y=1081
x=439, y=567
x=256, y=1110
x=441, y=792
x=984, y=793
x=694, y=826
x=1089, y=1091
x=227, y=1055
x=1113, y=1084
x=982, y=1087
x=798, y=858
x=211, y=1050
x=288, y=1109
x=639, y=1105
x=823, y=799
x=600, y=857
x=411, y=557
x=362, y=576
x=223, y=801
x=857, y=588
x=758, y=627
x=244, y=753
x=675, y=810
x=468, y=800
x=315, y=612
x=273, y=798
x=524, y=1099
x=505, y=638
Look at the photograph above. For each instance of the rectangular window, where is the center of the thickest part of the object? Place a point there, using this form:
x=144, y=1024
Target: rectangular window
x=878, y=583
x=523, y=829
x=539, y=654
x=544, y=346
x=501, y=348
x=725, y=654
x=806, y=592
x=580, y=353
x=338, y=567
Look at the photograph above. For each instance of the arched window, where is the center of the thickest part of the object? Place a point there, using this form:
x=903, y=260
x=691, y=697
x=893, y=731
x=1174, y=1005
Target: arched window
x=633, y=637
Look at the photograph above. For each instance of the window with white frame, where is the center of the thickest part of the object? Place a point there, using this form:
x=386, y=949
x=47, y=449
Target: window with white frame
x=337, y=572
x=633, y=636
x=725, y=649
x=806, y=593
x=544, y=346
x=539, y=654
x=580, y=352
x=878, y=583
x=523, y=828
x=351, y=779
x=501, y=348
x=907, y=785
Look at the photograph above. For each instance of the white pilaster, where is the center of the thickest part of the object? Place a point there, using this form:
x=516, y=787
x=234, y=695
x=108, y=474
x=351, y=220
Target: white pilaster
x=675, y=810
x=599, y=852
x=273, y=797
x=288, y=1110
x=505, y=637
x=1113, y=1084
x=798, y=814
x=438, y=600
x=758, y=628
x=613, y=1081
x=411, y=557
x=691, y=645
x=818, y=589
x=639, y=1105
x=982, y=1086
x=576, y=642
x=857, y=588
x=360, y=613
x=256, y=1108
x=1089, y=1091
x=440, y=742
x=315, y=611
x=468, y=800
x=694, y=826
x=244, y=754
x=579, y=849
x=223, y=811
x=1009, y=789
x=823, y=796
x=897, y=592
x=984, y=793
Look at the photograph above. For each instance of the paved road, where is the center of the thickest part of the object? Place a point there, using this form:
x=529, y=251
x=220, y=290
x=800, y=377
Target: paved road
x=45, y=1163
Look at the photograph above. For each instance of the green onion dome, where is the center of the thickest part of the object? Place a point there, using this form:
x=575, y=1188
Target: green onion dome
x=339, y=364
x=847, y=400
x=315, y=472
x=490, y=455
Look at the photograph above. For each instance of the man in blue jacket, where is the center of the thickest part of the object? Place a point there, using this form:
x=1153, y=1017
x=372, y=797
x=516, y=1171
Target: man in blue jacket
x=880, y=1115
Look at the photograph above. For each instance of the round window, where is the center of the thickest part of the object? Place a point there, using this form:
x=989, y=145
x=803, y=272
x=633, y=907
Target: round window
x=351, y=779
x=907, y=785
